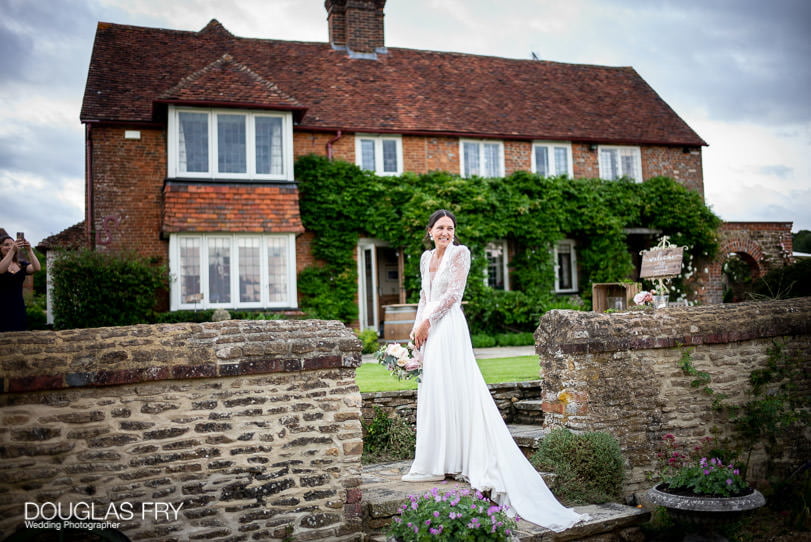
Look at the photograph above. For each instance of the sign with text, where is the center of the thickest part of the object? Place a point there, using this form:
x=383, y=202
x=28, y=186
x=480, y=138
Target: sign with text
x=661, y=262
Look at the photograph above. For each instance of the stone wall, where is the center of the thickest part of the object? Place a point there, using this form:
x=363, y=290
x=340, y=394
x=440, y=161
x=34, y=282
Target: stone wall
x=620, y=373
x=506, y=395
x=217, y=431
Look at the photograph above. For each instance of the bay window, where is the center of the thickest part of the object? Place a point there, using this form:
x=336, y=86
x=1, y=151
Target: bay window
x=230, y=144
x=232, y=271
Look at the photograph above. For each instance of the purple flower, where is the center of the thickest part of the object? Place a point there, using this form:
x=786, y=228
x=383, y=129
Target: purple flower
x=436, y=513
x=706, y=471
x=492, y=510
x=736, y=471
x=427, y=522
x=434, y=531
x=729, y=481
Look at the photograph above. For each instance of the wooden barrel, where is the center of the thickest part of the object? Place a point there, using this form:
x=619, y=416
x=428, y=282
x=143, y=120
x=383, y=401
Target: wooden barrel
x=398, y=321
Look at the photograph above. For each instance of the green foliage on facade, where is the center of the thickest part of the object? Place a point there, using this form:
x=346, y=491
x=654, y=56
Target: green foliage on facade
x=339, y=202
x=96, y=289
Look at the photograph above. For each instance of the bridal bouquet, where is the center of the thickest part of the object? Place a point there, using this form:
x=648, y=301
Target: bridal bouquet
x=404, y=362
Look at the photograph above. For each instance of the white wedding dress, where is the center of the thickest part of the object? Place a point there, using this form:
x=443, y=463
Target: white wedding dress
x=459, y=428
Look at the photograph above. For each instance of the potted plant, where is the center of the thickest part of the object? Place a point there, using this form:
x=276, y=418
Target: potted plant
x=700, y=489
x=458, y=514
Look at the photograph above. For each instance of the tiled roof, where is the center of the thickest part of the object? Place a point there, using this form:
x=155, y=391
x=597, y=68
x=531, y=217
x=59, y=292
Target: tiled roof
x=227, y=82
x=403, y=91
x=69, y=238
x=207, y=207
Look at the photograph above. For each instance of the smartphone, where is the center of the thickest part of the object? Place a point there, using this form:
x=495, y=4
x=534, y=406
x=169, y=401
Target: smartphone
x=20, y=236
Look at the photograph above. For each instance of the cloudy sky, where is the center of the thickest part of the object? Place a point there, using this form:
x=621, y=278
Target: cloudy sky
x=738, y=71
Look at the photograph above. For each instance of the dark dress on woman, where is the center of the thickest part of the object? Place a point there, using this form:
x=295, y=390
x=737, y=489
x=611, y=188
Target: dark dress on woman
x=12, y=306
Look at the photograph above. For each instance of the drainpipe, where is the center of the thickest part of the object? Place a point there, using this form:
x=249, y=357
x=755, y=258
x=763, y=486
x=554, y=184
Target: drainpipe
x=338, y=135
x=88, y=166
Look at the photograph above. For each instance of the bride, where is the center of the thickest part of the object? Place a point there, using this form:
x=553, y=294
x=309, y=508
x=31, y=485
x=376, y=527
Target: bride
x=459, y=428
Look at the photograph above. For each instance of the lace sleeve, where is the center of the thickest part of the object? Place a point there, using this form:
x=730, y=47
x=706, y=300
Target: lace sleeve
x=459, y=267
x=423, y=296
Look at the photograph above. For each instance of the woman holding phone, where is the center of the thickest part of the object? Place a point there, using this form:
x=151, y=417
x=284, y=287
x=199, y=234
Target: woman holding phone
x=13, y=271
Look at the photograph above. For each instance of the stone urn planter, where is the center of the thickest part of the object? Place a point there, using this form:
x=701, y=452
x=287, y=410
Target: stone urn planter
x=704, y=512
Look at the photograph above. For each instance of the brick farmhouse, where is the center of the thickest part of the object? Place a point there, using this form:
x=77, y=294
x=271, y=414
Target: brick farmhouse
x=191, y=139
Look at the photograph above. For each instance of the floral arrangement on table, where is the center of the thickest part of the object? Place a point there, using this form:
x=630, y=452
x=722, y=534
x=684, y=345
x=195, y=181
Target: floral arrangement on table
x=455, y=515
x=404, y=362
x=644, y=298
x=691, y=472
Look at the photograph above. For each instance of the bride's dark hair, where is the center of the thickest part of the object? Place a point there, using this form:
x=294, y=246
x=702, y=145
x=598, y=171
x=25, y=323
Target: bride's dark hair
x=433, y=219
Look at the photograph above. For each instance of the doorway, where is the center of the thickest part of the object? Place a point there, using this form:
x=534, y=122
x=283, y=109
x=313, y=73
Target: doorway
x=378, y=282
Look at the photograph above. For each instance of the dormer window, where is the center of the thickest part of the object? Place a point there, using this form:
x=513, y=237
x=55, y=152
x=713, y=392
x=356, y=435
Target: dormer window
x=230, y=144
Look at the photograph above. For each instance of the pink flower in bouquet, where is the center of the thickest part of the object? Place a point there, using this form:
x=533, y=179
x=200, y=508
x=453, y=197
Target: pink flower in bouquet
x=643, y=298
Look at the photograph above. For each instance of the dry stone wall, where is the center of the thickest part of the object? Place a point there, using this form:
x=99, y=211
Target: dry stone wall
x=621, y=373
x=233, y=430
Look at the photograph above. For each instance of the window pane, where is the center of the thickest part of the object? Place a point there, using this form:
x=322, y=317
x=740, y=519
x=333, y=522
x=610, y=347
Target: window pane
x=277, y=269
x=471, y=159
x=492, y=160
x=193, y=142
x=608, y=164
x=389, y=156
x=250, y=286
x=367, y=154
x=219, y=270
x=542, y=161
x=189, y=270
x=564, y=266
x=231, y=157
x=269, y=146
x=495, y=265
x=561, y=161
x=628, y=162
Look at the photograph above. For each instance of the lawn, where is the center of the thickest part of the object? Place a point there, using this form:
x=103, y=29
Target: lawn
x=375, y=377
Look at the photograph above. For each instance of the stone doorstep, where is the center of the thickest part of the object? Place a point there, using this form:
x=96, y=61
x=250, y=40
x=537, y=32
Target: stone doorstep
x=528, y=437
x=384, y=493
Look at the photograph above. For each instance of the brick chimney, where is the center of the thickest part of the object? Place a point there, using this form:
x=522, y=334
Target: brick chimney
x=357, y=26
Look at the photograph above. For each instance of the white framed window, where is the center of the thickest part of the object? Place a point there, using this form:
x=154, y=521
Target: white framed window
x=230, y=144
x=380, y=154
x=482, y=158
x=497, y=272
x=225, y=270
x=565, y=266
x=616, y=162
x=551, y=158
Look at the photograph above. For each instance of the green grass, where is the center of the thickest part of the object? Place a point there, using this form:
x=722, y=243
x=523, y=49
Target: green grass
x=374, y=377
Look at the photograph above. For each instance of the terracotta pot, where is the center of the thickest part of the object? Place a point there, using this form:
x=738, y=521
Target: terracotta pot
x=704, y=510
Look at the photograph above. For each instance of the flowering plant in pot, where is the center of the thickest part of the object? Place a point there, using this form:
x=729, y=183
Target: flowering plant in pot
x=699, y=488
x=458, y=514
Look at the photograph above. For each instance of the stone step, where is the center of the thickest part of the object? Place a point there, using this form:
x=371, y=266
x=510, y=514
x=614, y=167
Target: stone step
x=531, y=405
x=528, y=437
x=384, y=492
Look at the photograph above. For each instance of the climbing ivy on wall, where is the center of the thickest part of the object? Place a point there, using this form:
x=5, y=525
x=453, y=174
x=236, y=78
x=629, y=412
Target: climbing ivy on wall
x=339, y=202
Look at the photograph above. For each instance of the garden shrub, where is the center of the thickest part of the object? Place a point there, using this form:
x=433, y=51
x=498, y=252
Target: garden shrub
x=95, y=289
x=481, y=340
x=369, y=338
x=588, y=467
x=388, y=438
x=175, y=317
x=790, y=281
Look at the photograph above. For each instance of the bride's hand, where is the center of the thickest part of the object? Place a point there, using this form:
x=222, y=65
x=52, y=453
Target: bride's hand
x=421, y=333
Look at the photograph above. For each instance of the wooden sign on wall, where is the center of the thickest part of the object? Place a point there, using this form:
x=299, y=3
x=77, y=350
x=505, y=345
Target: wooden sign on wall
x=661, y=262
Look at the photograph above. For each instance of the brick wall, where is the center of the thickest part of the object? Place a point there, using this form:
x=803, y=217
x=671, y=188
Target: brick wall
x=250, y=428
x=128, y=177
x=763, y=245
x=621, y=373
x=684, y=167
x=517, y=156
